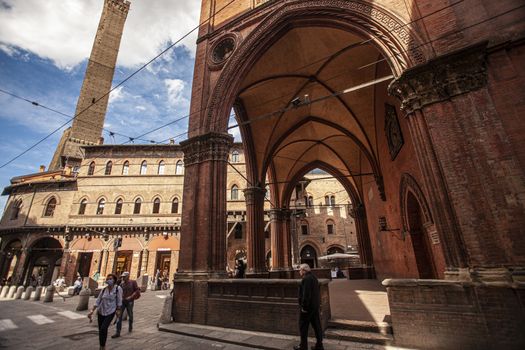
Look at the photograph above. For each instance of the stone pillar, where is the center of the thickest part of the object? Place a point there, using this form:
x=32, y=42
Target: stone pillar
x=12, y=291
x=50, y=293
x=472, y=173
x=144, y=264
x=83, y=299
x=277, y=241
x=287, y=240
x=104, y=266
x=38, y=293
x=203, y=230
x=4, y=291
x=255, y=229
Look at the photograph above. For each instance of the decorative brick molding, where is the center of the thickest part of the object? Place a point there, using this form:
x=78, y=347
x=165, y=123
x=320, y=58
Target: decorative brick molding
x=441, y=78
x=408, y=183
x=212, y=146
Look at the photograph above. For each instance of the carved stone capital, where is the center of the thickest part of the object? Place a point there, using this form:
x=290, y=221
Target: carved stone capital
x=254, y=194
x=441, y=78
x=277, y=214
x=208, y=147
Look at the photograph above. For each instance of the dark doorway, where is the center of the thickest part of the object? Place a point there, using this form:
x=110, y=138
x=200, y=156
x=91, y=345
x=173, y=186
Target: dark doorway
x=84, y=264
x=309, y=256
x=163, y=262
x=42, y=262
x=419, y=237
x=123, y=261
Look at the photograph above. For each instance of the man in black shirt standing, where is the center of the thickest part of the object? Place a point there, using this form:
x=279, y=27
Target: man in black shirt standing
x=310, y=302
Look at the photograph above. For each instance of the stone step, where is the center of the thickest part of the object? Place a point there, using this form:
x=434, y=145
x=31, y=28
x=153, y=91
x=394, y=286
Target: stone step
x=359, y=336
x=363, y=326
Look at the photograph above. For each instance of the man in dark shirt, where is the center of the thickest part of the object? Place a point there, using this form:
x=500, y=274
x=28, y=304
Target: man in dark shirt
x=309, y=301
x=130, y=292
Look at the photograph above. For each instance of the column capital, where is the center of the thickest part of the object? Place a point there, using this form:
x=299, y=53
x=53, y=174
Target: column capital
x=441, y=78
x=254, y=193
x=206, y=147
x=277, y=214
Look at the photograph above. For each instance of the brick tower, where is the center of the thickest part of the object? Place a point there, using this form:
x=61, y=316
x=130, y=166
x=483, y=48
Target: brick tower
x=92, y=102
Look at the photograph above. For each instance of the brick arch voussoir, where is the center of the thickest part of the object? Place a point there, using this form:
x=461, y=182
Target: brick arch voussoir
x=392, y=36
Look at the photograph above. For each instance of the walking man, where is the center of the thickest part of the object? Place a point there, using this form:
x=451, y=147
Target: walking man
x=310, y=302
x=130, y=293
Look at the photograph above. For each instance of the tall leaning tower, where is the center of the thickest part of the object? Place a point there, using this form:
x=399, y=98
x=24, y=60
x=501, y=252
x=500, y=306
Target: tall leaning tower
x=92, y=102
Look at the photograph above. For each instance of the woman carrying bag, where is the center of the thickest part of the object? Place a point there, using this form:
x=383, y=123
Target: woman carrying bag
x=108, y=304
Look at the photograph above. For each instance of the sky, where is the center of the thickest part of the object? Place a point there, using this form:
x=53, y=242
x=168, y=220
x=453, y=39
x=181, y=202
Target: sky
x=44, y=47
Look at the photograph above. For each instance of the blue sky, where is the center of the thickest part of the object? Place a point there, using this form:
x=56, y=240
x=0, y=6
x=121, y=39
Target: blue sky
x=44, y=46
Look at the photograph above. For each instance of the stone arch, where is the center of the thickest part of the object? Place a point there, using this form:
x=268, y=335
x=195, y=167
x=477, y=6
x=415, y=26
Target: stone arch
x=409, y=184
x=391, y=36
x=49, y=196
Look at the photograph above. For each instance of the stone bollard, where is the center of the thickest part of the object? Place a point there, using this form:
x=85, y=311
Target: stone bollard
x=38, y=293
x=3, y=291
x=83, y=299
x=19, y=292
x=11, y=293
x=50, y=292
x=165, y=316
x=28, y=293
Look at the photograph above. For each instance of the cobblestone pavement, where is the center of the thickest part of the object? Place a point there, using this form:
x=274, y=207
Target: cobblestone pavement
x=56, y=325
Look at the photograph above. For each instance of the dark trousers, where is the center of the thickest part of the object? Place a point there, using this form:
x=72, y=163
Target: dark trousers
x=128, y=306
x=103, y=325
x=305, y=320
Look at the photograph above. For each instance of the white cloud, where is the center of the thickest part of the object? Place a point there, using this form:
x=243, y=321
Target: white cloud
x=175, y=92
x=63, y=30
x=116, y=94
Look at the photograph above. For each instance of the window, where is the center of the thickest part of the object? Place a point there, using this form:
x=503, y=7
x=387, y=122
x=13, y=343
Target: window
x=109, y=166
x=267, y=193
x=238, y=231
x=118, y=206
x=82, y=207
x=138, y=204
x=100, y=206
x=234, y=193
x=156, y=206
x=143, y=168
x=310, y=201
x=326, y=200
x=50, y=207
x=304, y=229
x=91, y=169
x=161, y=168
x=330, y=228
x=179, y=168
x=235, y=157
x=16, y=210
x=125, y=168
x=332, y=201
x=175, y=206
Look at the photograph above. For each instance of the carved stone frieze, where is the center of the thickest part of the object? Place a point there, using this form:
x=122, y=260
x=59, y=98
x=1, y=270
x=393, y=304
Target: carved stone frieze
x=210, y=146
x=441, y=78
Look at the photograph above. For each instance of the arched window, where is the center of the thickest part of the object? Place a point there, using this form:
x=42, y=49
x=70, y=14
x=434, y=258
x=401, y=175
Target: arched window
x=143, y=168
x=234, y=193
x=332, y=201
x=82, y=207
x=16, y=210
x=125, y=168
x=109, y=166
x=156, y=206
x=100, y=206
x=161, y=168
x=330, y=227
x=91, y=168
x=175, y=206
x=118, y=206
x=50, y=207
x=136, y=207
x=235, y=157
x=326, y=200
x=179, y=168
x=310, y=201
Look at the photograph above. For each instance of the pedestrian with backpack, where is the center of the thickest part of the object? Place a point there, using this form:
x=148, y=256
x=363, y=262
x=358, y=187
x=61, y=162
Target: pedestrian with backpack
x=108, y=304
x=130, y=293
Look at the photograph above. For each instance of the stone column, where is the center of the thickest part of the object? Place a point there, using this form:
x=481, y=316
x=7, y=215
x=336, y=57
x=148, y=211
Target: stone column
x=287, y=240
x=254, y=197
x=203, y=230
x=277, y=241
x=471, y=171
x=104, y=266
x=144, y=264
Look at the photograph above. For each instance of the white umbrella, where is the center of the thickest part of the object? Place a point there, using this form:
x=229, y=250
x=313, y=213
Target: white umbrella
x=338, y=256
